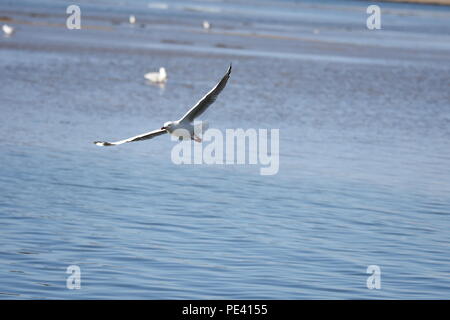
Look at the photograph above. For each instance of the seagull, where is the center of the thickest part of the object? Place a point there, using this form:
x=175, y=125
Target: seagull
x=132, y=19
x=206, y=25
x=183, y=126
x=8, y=30
x=157, y=77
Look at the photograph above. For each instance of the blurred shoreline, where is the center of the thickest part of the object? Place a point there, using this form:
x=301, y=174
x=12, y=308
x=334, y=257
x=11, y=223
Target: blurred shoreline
x=438, y=2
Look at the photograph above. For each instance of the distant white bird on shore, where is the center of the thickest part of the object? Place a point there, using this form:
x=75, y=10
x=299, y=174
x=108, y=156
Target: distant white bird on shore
x=184, y=126
x=8, y=30
x=132, y=19
x=157, y=77
x=206, y=25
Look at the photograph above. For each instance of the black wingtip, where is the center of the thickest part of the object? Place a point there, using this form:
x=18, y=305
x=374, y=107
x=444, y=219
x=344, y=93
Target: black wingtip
x=102, y=143
x=229, y=69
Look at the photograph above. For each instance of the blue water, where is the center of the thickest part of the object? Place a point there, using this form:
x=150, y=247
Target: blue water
x=364, y=173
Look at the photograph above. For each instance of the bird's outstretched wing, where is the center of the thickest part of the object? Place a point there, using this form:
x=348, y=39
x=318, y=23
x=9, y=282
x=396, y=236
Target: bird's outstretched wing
x=144, y=136
x=207, y=100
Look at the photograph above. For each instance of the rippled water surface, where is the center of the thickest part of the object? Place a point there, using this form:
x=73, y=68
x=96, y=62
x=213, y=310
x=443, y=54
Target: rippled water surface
x=364, y=176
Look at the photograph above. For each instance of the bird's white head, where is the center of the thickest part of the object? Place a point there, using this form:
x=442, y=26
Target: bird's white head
x=162, y=72
x=167, y=125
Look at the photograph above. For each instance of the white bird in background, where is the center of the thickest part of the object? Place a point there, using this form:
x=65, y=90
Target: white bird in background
x=132, y=19
x=157, y=77
x=206, y=25
x=180, y=128
x=8, y=30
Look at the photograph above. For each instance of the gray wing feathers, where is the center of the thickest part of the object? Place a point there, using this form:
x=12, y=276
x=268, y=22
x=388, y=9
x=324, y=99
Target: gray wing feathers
x=145, y=136
x=207, y=100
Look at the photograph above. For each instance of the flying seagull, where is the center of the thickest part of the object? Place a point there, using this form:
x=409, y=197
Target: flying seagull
x=185, y=123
